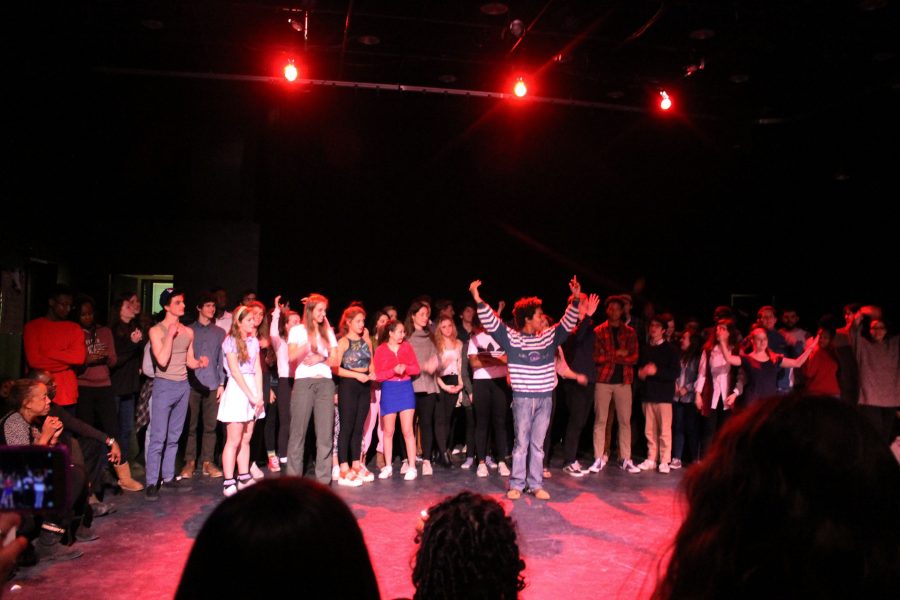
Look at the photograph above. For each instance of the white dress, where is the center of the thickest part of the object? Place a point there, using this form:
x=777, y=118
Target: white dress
x=234, y=406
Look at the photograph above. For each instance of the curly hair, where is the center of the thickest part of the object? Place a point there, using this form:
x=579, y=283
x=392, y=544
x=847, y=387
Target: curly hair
x=525, y=308
x=468, y=549
x=796, y=500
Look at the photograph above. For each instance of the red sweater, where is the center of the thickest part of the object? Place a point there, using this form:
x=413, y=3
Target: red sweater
x=56, y=346
x=386, y=360
x=821, y=372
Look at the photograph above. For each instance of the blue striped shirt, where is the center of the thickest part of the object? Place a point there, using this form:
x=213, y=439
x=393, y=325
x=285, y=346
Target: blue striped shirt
x=531, y=358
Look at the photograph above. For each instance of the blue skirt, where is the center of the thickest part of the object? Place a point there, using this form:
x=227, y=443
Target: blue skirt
x=397, y=396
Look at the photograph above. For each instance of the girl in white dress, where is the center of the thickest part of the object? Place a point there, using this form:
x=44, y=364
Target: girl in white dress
x=242, y=402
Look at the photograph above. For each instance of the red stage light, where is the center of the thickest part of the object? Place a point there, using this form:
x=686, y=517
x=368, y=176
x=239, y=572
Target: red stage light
x=520, y=89
x=665, y=103
x=290, y=71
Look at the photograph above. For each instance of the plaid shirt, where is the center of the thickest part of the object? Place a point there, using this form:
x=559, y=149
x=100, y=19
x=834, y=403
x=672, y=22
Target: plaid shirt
x=605, y=352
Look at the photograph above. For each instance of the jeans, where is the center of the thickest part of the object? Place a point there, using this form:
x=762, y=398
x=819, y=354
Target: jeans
x=126, y=423
x=531, y=418
x=685, y=427
x=168, y=408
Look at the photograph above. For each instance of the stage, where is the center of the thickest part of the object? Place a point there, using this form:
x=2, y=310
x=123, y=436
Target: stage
x=600, y=536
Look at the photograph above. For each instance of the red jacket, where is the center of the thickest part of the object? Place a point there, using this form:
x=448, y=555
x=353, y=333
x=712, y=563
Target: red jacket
x=386, y=360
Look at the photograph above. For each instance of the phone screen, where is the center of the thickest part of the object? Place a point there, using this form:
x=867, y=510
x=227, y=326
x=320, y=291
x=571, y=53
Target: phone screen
x=33, y=479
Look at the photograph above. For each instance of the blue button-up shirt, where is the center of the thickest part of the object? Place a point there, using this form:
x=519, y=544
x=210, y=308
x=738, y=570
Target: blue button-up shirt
x=208, y=342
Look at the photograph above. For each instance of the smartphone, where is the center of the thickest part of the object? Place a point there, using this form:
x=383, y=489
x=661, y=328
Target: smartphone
x=34, y=479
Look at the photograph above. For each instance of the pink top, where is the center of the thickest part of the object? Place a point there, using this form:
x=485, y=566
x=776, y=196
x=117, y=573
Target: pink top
x=386, y=360
x=96, y=342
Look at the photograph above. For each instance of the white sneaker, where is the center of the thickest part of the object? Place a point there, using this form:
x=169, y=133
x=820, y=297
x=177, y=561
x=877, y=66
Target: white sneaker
x=335, y=472
x=647, y=465
x=426, y=468
x=257, y=473
x=468, y=463
x=504, y=470
x=404, y=467
x=628, y=465
x=349, y=480
x=411, y=474
x=663, y=467
x=573, y=469
x=490, y=462
x=386, y=472
x=598, y=465
x=456, y=450
x=482, y=470
x=365, y=475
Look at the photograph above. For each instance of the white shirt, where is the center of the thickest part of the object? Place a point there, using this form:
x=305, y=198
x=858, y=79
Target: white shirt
x=485, y=344
x=280, y=346
x=719, y=369
x=299, y=336
x=225, y=321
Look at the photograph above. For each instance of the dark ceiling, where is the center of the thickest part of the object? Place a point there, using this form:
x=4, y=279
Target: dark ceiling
x=766, y=60
x=781, y=145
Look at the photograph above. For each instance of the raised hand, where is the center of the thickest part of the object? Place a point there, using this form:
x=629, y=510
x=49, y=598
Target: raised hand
x=574, y=286
x=592, y=303
x=473, y=288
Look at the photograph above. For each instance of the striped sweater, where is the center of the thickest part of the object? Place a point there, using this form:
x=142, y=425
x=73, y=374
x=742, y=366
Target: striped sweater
x=531, y=358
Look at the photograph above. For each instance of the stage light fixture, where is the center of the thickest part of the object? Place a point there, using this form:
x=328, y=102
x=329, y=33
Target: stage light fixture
x=290, y=71
x=520, y=89
x=665, y=103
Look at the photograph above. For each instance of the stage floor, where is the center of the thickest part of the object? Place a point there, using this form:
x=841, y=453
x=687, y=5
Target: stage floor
x=600, y=536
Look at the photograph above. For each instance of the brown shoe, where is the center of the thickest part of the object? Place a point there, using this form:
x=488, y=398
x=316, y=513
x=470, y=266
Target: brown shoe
x=210, y=469
x=188, y=471
x=513, y=494
x=542, y=494
x=126, y=482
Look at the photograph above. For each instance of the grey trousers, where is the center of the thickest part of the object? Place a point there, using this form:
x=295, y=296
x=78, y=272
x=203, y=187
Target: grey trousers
x=312, y=396
x=202, y=405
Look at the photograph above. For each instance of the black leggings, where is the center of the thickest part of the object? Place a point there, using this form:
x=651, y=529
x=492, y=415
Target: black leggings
x=278, y=421
x=425, y=407
x=712, y=424
x=97, y=406
x=353, y=408
x=491, y=401
x=467, y=415
x=579, y=399
x=443, y=411
x=278, y=417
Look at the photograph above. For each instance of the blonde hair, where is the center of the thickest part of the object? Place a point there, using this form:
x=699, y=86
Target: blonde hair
x=440, y=339
x=240, y=313
x=313, y=328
